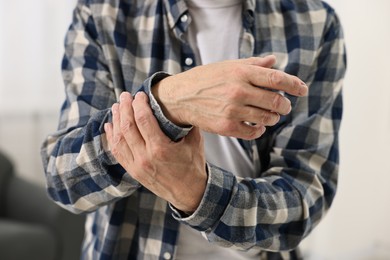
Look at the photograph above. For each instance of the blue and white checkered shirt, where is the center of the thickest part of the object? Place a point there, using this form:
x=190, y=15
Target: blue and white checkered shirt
x=127, y=45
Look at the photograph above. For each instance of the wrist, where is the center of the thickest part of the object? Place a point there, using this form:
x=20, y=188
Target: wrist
x=188, y=197
x=164, y=93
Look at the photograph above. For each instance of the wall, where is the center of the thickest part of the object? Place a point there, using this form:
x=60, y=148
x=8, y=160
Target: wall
x=31, y=44
x=356, y=228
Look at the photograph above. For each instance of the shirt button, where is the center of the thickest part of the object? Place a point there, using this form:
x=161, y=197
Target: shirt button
x=184, y=18
x=167, y=255
x=188, y=61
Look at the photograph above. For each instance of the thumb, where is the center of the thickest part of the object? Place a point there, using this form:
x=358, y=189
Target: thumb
x=194, y=136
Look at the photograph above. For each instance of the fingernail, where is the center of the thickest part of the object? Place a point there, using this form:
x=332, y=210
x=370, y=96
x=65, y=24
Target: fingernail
x=122, y=97
x=141, y=95
x=114, y=108
x=303, y=89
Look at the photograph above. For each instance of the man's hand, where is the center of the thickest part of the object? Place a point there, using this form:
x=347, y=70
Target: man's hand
x=174, y=171
x=231, y=98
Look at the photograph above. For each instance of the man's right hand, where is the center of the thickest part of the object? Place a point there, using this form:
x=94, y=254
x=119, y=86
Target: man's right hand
x=231, y=98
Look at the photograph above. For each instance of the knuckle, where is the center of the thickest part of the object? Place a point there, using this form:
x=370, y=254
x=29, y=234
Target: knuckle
x=234, y=92
x=287, y=108
x=280, y=104
x=159, y=152
x=115, y=152
x=296, y=81
x=277, y=102
x=253, y=60
x=252, y=134
x=270, y=118
x=275, y=78
x=276, y=118
x=255, y=132
x=266, y=118
x=238, y=71
x=141, y=118
x=295, y=84
x=145, y=164
x=117, y=140
x=229, y=111
x=228, y=127
x=249, y=133
x=115, y=146
x=126, y=126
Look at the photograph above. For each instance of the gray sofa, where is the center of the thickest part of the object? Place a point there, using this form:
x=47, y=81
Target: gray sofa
x=31, y=225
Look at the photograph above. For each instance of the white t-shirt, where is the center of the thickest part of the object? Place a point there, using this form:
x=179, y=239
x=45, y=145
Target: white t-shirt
x=214, y=35
x=214, y=32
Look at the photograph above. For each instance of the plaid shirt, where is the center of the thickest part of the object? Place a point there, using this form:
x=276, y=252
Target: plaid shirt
x=123, y=45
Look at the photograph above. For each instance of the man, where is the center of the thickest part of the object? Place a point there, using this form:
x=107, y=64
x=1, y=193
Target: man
x=237, y=158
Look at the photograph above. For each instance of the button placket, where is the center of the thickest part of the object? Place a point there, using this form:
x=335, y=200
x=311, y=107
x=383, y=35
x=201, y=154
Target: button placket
x=184, y=18
x=188, y=61
x=167, y=255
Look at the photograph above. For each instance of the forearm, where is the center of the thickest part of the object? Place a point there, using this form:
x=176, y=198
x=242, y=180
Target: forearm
x=81, y=174
x=80, y=149
x=171, y=127
x=273, y=213
x=223, y=97
x=246, y=213
x=279, y=208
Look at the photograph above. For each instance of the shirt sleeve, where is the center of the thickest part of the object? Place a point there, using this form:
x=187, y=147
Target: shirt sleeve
x=81, y=174
x=277, y=210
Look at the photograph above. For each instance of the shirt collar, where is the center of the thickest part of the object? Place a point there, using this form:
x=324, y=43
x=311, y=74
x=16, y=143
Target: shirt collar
x=248, y=13
x=250, y=5
x=176, y=8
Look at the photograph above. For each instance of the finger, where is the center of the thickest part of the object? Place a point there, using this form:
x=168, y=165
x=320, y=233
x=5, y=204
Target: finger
x=259, y=116
x=116, y=142
x=247, y=131
x=128, y=126
x=268, y=100
x=109, y=134
x=146, y=122
x=239, y=129
x=117, y=134
x=277, y=80
x=266, y=61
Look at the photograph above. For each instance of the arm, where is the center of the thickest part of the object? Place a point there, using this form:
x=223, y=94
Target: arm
x=80, y=175
x=224, y=97
x=275, y=212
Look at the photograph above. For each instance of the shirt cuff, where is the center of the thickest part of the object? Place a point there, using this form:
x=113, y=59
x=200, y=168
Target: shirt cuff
x=220, y=187
x=172, y=130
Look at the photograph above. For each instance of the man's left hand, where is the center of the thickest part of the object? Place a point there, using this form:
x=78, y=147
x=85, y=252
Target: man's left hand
x=174, y=171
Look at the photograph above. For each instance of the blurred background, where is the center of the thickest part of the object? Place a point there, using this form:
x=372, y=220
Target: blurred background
x=357, y=227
